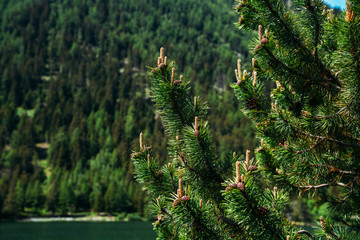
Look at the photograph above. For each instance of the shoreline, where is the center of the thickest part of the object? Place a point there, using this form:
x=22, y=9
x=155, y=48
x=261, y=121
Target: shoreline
x=72, y=219
x=78, y=218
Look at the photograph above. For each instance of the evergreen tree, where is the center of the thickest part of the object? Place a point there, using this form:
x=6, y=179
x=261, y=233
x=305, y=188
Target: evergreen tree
x=308, y=126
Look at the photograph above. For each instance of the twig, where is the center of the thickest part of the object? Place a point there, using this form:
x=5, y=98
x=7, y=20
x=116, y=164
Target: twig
x=306, y=233
x=325, y=185
x=334, y=169
x=310, y=148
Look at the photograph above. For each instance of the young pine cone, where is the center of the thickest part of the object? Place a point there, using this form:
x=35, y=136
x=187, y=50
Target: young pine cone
x=185, y=198
x=253, y=168
x=231, y=186
x=176, y=202
x=241, y=186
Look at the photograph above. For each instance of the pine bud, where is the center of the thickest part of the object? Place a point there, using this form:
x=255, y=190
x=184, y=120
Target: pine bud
x=238, y=177
x=254, y=63
x=200, y=203
x=247, y=159
x=141, y=141
x=254, y=78
x=172, y=76
x=196, y=132
x=275, y=192
x=260, y=32
x=264, y=41
x=162, y=54
x=180, y=188
x=238, y=82
x=241, y=20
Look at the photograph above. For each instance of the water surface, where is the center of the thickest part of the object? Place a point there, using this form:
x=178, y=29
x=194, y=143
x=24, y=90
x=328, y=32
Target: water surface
x=77, y=231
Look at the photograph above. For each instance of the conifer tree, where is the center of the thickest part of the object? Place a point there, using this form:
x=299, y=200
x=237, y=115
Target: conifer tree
x=308, y=126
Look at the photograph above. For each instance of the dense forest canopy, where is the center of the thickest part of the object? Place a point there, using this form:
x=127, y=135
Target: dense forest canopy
x=74, y=95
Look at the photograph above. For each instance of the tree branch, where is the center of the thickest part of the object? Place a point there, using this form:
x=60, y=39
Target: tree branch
x=334, y=169
x=325, y=185
x=306, y=233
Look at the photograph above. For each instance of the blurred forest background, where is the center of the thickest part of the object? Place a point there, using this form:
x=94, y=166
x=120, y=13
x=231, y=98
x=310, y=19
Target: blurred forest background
x=74, y=95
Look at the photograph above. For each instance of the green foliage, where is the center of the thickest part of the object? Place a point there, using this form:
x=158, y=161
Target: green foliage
x=308, y=125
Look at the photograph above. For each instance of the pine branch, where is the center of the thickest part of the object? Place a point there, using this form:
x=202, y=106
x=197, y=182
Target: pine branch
x=307, y=233
x=334, y=169
x=325, y=185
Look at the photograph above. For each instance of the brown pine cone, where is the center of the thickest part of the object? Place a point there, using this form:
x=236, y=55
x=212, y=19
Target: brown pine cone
x=257, y=48
x=264, y=41
x=253, y=168
x=185, y=198
x=241, y=186
x=176, y=202
x=196, y=133
x=176, y=82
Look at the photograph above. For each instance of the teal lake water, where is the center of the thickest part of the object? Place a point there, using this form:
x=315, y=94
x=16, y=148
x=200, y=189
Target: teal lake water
x=77, y=231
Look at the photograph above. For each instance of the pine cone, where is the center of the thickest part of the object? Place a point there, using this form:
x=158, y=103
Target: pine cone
x=176, y=82
x=257, y=48
x=253, y=168
x=264, y=41
x=241, y=186
x=176, y=202
x=196, y=133
x=251, y=103
x=154, y=70
x=231, y=186
x=185, y=198
x=162, y=66
x=260, y=149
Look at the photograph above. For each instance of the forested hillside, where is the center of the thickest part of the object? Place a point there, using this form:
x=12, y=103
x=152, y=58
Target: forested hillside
x=74, y=95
